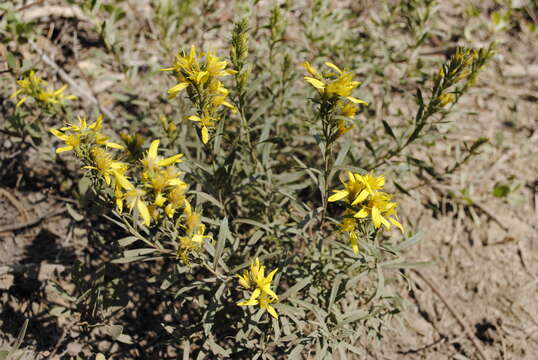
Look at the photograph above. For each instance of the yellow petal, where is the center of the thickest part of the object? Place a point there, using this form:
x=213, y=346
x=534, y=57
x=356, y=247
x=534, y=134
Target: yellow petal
x=376, y=217
x=397, y=224
x=361, y=197
x=361, y=214
x=315, y=83
x=169, y=210
x=311, y=70
x=334, y=67
x=22, y=101
x=270, y=292
x=205, y=135
x=271, y=274
x=144, y=212
x=114, y=146
x=271, y=310
x=57, y=134
x=63, y=149
x=178, y=88
x=123, y=182
x=170, y=160
x=15, y=93
x=338, y=195
x=119, y=204
x=249, y=302
x=354, y=242
x=159, y=199
x=152, y=153
x=356, y=101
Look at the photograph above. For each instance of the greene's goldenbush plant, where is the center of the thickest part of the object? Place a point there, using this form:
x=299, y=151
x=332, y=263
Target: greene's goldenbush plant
x=233, y=191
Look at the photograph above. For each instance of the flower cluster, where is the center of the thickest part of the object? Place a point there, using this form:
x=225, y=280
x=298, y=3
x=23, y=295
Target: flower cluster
x=34, y=87
x=364, y=199
x=262, y=294
x=79, y=136
x=335, y=90
x=199, y=76
x=152, y=188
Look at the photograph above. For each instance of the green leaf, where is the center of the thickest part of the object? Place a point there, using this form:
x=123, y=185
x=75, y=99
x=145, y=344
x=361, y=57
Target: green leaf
x=224, y=232
x=398, y=264
x=334, y=291
x=126, y=241
x=74, y=214
x=138, y=252
x=409, y=242
x=83, y=185
x=479, y=142
x=355, y=316
x=114, y=331
x=296, y=288
x=209, y=198
x=501, y=190
x=126, y=260
x=342, y=153
x=254, y=223
x=388, y=130
x=12, y=61
x=370, y=147
x=402, y=189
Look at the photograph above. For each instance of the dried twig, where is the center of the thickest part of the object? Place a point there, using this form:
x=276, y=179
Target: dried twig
x=18, y=205
x=458, y=318
x=37, y=220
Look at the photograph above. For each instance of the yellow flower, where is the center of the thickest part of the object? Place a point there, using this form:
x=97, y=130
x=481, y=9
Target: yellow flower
x=152, y=162
x=380, y=209
x=349, y=225
x=262, y=294
x=176, y=199
x=193, y=219
x=333, y=84
x=160, y=180
x=133, y=196
x=90, y=133
x=244, y=280
x=195, y=234
x=205, y=122
x=263, y=299
x=343, y=128
x=358, y=188
x=104, y=164
x=72, y=141
x=33, y=86
x=364, y=190
x=349, y=110
x=216, y=68
x=200, y=75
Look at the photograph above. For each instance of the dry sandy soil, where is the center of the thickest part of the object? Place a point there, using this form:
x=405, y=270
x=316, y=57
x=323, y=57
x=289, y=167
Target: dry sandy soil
x=478, y=299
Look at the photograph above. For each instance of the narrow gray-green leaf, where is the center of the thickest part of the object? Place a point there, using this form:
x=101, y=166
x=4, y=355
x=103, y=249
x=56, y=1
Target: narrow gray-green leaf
x=224, y=231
